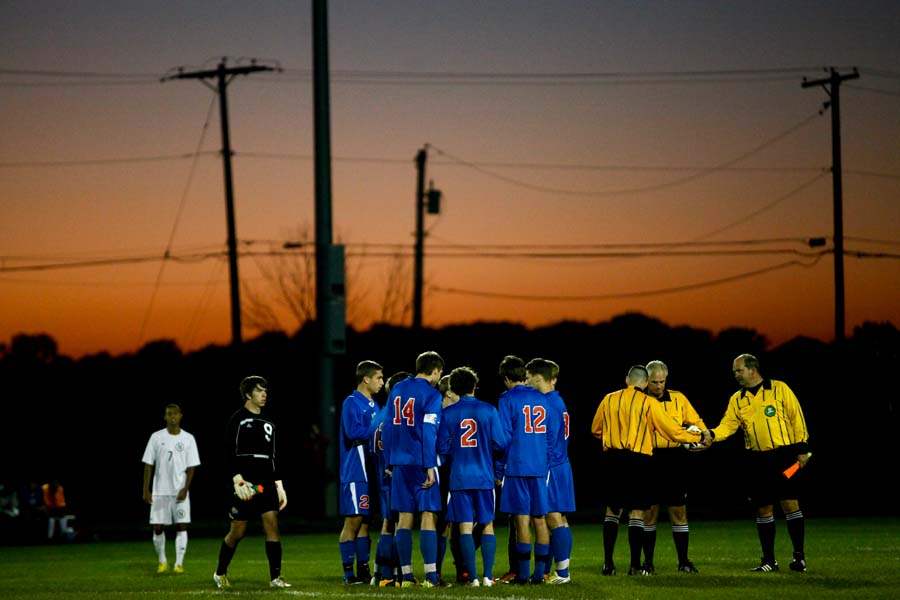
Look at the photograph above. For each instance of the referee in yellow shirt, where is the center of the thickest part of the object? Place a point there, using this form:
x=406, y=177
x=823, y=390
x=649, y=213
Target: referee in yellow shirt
x=775, y=434
x=627, y=421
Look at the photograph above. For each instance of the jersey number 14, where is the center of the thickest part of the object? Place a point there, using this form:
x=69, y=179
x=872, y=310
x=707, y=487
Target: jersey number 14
x=408, y=412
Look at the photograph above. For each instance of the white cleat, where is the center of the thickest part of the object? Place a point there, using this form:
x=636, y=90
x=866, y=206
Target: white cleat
x=559, y=580
x=487, y=582
x=474, y=583
x=221, y=581
x=278, y=582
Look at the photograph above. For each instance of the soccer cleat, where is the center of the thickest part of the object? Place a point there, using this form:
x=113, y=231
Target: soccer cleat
x=649, y=569
x=608, y=569
x=473, y=583
x=637, y=571
x=535, y=581
x=508, y=577
x=221, y=581
x=765, y=567
x=278, y=582
x=363, y=574
x=559, y=580
x=178, y=570
x=408, y=583
x=687, y=567
x=799, y=563
x=462, y=576
x=352, y=580
x=443, y=583
x=487, y=582
x=162, y=567
x=387, y=583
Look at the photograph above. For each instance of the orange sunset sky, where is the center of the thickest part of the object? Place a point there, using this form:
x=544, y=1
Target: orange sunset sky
x=610, y=139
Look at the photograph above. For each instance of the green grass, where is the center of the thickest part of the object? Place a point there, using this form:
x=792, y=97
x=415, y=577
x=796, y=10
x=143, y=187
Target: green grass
x=858, y=558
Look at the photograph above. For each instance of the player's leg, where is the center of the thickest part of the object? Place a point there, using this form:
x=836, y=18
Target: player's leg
x=488, y=553
x=541, y=548
x=796, y=529
x=160, y=516
x=403, y=500
x=764, y=476
x=523, y=547
x=347, y=545
x=467, y=547
x=182, y=518
x=610, y=534
x=428, y=545
x=443, y=533
x=765, y=529
x=680, y=535
x=651, y=516
x=363, y=552
x=560, y=544
x=461, y=513
x=236, y=532
x=273, y=547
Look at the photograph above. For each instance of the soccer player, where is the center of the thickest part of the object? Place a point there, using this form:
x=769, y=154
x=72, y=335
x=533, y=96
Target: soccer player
x=775, y=435
x=386, y=551
x=169, y=462
x=258, y=489
x=542, y=375
x=470, y=433
x=523, y=412
x=410, y=442
x=626, y=421
x=668, y=465
x=357, y=413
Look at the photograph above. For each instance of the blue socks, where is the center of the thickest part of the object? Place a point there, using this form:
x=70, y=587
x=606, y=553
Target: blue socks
x=523, y=558
x=441, y=551
x=383, y=555
x=403, y=540
x=467, y=546
x=561, y=544
x=428, y=546
x=488, y=553
x=348, y=551
x=363, y=551
x=541, y=560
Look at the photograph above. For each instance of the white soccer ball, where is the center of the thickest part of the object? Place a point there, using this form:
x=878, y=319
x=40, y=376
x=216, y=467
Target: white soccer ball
x=693, y=446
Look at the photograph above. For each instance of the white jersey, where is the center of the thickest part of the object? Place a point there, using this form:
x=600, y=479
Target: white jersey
x=172, y=455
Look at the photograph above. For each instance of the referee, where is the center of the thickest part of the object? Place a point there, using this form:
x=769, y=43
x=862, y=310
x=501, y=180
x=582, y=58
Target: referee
x=627, y=420
x=775, y=434
x=250, y=443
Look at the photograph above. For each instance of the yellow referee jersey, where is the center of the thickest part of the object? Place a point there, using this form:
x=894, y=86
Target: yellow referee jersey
x=682, y=412
x=771, y=418
x=628, y=420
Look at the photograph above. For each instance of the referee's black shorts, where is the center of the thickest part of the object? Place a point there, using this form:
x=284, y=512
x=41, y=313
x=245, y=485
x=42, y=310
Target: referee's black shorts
x=670, y=471
x=626, y=479
x=765, y=476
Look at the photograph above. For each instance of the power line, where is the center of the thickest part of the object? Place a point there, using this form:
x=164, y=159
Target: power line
x=75, y=74
x=872, y=240
x=104, y=161
x=655, y=292
x=642, y=189
x=863, y=88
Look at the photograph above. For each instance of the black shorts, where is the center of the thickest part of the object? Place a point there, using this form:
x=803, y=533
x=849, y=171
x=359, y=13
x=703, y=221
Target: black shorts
x=766, y=481
x=670, y=471
x=626, y=480
x=259, y=503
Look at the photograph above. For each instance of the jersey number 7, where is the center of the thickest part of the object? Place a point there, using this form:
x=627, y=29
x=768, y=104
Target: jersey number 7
x=408, y=411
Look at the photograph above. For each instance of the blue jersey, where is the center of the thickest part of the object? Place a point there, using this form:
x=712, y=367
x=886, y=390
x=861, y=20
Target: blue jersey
x=557, y=429
x=470, y=433
x=410, y=427
x=523, y=413
x=357, y=414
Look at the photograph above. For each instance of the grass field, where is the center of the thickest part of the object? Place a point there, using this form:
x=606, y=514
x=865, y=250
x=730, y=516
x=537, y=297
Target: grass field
x=857, y=558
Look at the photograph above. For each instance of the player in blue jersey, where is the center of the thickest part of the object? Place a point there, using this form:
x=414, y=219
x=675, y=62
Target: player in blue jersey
x=357, y=413
x=542, y=375
x=469, y=435
x=523, y=412
x=386, y=551
x=410, y=441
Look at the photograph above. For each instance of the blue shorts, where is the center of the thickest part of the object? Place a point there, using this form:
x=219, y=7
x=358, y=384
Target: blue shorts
x=354, y=499
x=471, y=506
x=407, y=493
x=560, y=489
x=524, y=496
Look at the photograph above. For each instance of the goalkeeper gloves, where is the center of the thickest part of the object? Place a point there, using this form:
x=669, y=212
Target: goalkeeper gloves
x=282, y=495
x=242, y=489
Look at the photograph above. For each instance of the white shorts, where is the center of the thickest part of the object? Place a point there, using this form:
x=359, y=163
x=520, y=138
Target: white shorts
x=165, y=511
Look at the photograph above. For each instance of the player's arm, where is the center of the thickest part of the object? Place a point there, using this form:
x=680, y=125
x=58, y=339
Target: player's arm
x=354, y=424
x=730, y=421
x=499, y=435
x=431, y=421
x=188, y=478
x=597, y=423
x=444, y=438
x=796, y=421
x=666, y=425
x=148, y=477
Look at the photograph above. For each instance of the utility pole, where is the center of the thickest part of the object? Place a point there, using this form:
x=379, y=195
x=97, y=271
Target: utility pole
x=223, y=76
x=832, y=87
x=330, y=289
x=432, y=201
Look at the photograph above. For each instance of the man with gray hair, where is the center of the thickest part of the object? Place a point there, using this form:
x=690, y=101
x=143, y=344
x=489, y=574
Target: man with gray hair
x=668, y=465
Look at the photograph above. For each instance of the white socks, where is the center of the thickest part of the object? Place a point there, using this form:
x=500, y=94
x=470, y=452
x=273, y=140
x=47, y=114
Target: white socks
x=181, y=539
x=159, y=542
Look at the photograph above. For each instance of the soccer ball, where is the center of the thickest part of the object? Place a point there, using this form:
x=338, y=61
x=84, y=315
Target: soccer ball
x=693, y=446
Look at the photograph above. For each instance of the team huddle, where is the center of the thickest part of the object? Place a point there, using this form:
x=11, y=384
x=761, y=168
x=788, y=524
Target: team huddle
x=436, y=451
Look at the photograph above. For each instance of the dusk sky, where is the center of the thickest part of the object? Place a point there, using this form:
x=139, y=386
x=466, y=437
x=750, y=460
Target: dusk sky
x=546, y=162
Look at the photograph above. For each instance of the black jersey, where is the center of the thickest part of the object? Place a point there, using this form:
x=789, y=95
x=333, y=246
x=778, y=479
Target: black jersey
x=250, y=443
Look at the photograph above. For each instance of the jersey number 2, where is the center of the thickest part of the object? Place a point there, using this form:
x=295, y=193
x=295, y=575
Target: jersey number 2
x=468, y=439
x=534, y=418
x=408, y=411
